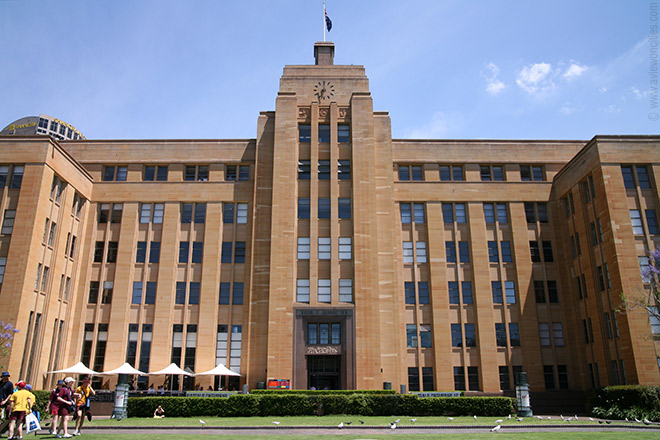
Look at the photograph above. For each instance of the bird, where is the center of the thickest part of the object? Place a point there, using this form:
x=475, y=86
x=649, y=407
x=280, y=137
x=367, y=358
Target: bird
x=647, y=421
x=348, y=423
x=509, y=418
x=608, y=421
x=600, y=422
x=361, y=422
x=475, y=417
x=549, y=417
x=562, y=417
x=341, y=425
x=495, y=429
x=576, y=417
x=393, y=426
x=591, y=418
x=637, y=420
x=276, y=423
x=202, y=422
x=397, y=420
x=450, y=418
x=413, y=420
x=520, y=419
x=627, y=419
x=569, y=419
x=539, y=417
x=499, y=421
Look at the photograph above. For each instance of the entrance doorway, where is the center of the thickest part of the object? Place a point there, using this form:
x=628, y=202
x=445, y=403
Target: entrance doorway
x=323, y=372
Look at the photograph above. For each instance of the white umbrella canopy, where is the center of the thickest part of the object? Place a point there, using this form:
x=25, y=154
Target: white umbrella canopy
x=78, y=368
x=124, y=369
x=219, y=370
x=171, y=370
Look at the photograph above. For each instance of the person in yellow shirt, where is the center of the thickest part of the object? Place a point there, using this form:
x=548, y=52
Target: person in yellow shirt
x=20, y=403
x=83, y=393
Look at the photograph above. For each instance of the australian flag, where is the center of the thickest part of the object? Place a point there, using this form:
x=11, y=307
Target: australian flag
x=328, y=22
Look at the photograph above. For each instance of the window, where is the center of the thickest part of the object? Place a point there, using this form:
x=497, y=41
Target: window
x=152, y=173
x=470, y=336
x=506, y=251
x=410, y=172
x=154, y=252
x=628, y=179
x=534, y=251
x=141, y=254
x=448, y=213
x=304, y=169
x=4, y=172
x=562, y=377
x=106, y=297
x=616, y=324
x=547, y=252
x=652, y=222
x=117, y=210
x=594, y=234
x=227, y=247
x=493, y=173
x=473, y=378
x=418, y=210
x=425, y=336
x=345, y=248
x=303, y=248
x=324, y=291
x=325, y=248
x=411, y=335
x=502, y=215
x=461, y=216
x=228, y=213
x=197, y=251
x=198, y=173
x=529, y=173
x=539, y=291
x=496, y=287
x=99, y=251
x=449, y=173
x=493, y=253
x=150, y=294
x=601, y=278
x=543, y=212
x=200, y=212
x=423, y=292
x=324, y=207
x=549, y=377
x=324, y=170
x=489, y=212
x=466, y=287
x=345, y=290
x=407, y=252
x=3, y=264
x=324, y=133
x=456, y=335
x=184, y=251
x=224, y=293
x=186, y=212
x=111, y=173
x=145, y=213
x=463, y=251
x=505, y=379
x=544, y=333
x=44, y=278
x=343, y=133
x=500, y=334
x=72, y=249
x=239, y=252
x=137, y=293
x=303, y=207
x=344, y=208
x=558, y=334
x=654, y=320
x=608, y=325
x=302, y=290
x=459, y=379
x=237, y=172
x=427, y=378
x=553, y=296
x=643, y=177
x=636, y=221
x=113, y=247
x=510, y=290
x=452, y=287
x=93, y=292
x=304, y=133
x=586, y=331
x=8, y=222
x=344, y=170
x=406, y=212
x=420, y=247
x=514, y=334
x=450, y=250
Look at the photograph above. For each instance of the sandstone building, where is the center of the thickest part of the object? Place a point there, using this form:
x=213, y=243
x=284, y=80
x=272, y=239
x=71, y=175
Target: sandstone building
x=326, y=253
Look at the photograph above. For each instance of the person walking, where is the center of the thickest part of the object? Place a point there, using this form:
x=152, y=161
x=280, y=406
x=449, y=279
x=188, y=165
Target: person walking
x=84, y=391
x=6, y=390
x=54, y=406
x=20, y=403
x=66, y=407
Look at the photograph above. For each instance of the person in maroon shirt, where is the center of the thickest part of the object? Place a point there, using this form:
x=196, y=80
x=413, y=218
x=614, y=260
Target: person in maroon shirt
x=66, y=406
x=54, y=406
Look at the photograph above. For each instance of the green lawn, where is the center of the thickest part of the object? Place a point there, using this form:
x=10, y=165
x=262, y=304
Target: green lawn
x=328, y=421
x=412, y=436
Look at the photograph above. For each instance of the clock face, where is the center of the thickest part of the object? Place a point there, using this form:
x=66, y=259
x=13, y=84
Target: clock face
x=324, y=90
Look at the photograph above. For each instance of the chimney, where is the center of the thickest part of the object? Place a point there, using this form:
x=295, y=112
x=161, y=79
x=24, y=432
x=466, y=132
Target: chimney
x=324, y=53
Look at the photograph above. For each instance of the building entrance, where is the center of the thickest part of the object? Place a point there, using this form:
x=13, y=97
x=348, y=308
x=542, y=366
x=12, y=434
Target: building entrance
x=324, y=372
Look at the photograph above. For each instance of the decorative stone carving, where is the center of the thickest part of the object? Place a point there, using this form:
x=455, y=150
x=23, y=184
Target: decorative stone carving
x=322, y=349
x=324, y=112
x=303, y=112
x=344, y=112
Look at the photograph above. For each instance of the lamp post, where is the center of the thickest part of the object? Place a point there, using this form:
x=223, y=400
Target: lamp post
x=121, y=398
x=522, y=393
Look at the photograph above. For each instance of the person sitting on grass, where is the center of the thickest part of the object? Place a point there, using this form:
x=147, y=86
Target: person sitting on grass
x=159, y=413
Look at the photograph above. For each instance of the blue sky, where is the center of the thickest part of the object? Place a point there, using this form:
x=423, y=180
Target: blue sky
x=198, y=69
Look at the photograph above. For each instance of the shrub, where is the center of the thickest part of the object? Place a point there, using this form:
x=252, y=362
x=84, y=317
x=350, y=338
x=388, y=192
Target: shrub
x=286, y=405
x=41, y=405
x=322, y=392
x=627, y=401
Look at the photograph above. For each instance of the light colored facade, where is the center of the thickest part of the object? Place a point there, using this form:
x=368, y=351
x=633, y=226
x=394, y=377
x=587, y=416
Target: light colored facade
x=326, y=253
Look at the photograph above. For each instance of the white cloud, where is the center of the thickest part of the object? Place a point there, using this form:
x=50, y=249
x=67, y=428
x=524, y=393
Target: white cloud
x=610, y=109
x=639, y=94
x=536, y=78
x=440, y=125
x=574, y=71
x=567, y=109
x=493, y=85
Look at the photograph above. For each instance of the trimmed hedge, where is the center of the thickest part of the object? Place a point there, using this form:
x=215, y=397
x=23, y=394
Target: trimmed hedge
x=299, y=404
x=41, y=405
x=627, y=401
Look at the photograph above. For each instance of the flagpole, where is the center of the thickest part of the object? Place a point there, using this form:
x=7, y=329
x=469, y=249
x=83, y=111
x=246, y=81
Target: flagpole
x=324, y=22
